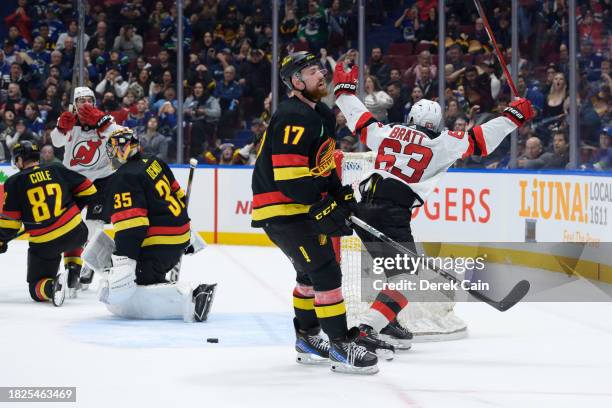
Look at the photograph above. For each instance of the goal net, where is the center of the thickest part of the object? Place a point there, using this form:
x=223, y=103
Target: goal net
x=428, y=321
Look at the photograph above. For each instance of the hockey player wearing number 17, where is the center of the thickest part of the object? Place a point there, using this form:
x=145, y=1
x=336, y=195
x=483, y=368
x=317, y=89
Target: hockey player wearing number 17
x=152, y=232
x=411, y=159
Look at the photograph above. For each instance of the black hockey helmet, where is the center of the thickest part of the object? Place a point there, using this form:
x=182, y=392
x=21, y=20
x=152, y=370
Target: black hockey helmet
x=294, y=63
x=122, y=144
x=27, y=150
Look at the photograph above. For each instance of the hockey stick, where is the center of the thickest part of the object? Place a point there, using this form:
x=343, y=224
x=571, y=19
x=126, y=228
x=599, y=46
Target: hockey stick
x=517, y=293
x=174, y=273
x=499, y=55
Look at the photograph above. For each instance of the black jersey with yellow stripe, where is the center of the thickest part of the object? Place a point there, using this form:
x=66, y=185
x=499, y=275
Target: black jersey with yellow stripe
x=294, y=164
x=147, y=208
x=47, y=200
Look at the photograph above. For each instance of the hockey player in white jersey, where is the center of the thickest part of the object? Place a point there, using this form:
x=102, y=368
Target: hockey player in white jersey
x=410, y=160
x=82, y=134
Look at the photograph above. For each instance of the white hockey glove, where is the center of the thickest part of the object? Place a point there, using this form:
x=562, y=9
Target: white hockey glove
x=120, y=284
x=196, y=244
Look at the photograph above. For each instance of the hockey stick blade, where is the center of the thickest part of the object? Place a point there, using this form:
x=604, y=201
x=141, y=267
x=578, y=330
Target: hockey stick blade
x=518, y=292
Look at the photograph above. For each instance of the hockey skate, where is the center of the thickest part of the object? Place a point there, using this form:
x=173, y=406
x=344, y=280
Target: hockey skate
x=397, y=335
x=368, y=338
x=74, y=284
x=203, y=297
x=60, y=285
x=310, y=346
x=86, y=277
x=347, y=356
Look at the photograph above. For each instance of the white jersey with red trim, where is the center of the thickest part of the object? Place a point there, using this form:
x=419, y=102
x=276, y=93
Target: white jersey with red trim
x=409, y=155
x=85, y=150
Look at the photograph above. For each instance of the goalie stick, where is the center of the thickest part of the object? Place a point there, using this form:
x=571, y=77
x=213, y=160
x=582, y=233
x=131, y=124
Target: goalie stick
x=174, y=273
x=517, y=293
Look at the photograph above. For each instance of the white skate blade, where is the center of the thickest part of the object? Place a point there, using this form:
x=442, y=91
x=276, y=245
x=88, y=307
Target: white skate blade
x=60, y=296
x=399, y=344
x=425, y=337
x=338, y=367
x=311, y=359
x=385, y=354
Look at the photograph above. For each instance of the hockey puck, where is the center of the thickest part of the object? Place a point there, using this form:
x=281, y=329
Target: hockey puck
x=212, y=340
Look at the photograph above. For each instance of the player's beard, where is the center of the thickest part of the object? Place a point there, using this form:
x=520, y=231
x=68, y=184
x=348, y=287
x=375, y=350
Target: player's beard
x=315, y=95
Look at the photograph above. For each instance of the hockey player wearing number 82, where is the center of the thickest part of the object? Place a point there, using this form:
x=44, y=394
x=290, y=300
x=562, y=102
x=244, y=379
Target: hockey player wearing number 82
x=152, y=232
x=411, y=158
x=48, y=200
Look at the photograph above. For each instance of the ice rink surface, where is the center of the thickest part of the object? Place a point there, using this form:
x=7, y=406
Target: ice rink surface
x=535, y=355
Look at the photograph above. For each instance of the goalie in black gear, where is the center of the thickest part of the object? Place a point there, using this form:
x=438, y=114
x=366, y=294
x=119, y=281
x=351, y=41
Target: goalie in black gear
x=299, y=202
x=47, y=200
x=152, y=232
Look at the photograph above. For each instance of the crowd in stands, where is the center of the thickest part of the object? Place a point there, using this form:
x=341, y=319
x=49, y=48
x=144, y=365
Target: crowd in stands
x=130, y=63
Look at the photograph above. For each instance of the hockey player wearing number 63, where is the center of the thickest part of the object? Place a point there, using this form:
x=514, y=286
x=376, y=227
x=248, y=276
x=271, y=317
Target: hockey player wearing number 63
x=152, y=232
x=299, y=201
x=82, y=135
x=47, y=200
x=411, y=159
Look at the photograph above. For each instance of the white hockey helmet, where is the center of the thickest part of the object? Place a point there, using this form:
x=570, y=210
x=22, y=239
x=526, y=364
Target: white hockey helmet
x=426, y=113
x=81, y=91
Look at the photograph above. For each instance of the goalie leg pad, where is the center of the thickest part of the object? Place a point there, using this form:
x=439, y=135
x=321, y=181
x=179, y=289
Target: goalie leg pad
x=119, y=284
x=98, y=252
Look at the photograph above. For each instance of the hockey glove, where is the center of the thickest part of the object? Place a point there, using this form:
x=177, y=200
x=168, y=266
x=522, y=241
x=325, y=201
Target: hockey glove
x=3, y=247
x=330, y=217
x=94, y=118
x=345, y=82
x=66, y=122
x=519, y=111
x=346, y=198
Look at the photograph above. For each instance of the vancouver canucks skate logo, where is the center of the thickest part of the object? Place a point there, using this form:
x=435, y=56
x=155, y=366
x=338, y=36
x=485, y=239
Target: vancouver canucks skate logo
x=86, y=153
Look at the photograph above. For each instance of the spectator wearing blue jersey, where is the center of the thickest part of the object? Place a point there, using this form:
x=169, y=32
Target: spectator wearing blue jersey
x=33, y=121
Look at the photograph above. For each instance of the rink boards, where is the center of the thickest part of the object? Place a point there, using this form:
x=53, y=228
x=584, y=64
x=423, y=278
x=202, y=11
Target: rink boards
x=466, y=206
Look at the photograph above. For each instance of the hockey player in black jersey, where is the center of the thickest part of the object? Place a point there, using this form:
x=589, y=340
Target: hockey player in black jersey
x=47, y=201
x=299, y=202
x=152, y=232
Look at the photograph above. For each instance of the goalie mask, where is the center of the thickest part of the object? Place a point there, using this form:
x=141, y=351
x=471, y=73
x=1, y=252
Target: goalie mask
x=427, y=114
x=122, y=144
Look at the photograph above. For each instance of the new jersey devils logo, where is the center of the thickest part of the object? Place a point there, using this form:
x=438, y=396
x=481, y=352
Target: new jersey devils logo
x=86, y=153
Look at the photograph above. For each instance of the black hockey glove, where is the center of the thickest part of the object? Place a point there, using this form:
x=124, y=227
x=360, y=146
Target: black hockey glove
x=346, y=198
x=330, y=217
x=3, y=247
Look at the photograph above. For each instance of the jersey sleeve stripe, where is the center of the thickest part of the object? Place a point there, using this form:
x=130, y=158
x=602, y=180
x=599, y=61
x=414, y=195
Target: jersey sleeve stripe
x=275, y=197
x=131, y=223
x=364, y=136
x=175, y=186
x=131, y=213
x=363, y=121
x=91, y=190
x=168, y=230
x=83, y=186
x=10, y=224
x=290, y=173
x=480, y=140
x=13, y=214
x=285, y=160
x=470, y=149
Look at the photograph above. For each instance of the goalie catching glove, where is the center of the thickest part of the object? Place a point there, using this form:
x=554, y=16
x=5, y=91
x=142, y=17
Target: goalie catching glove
x=345, y=82
x=519, y=111
x=95, y=118
x=330, y=217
